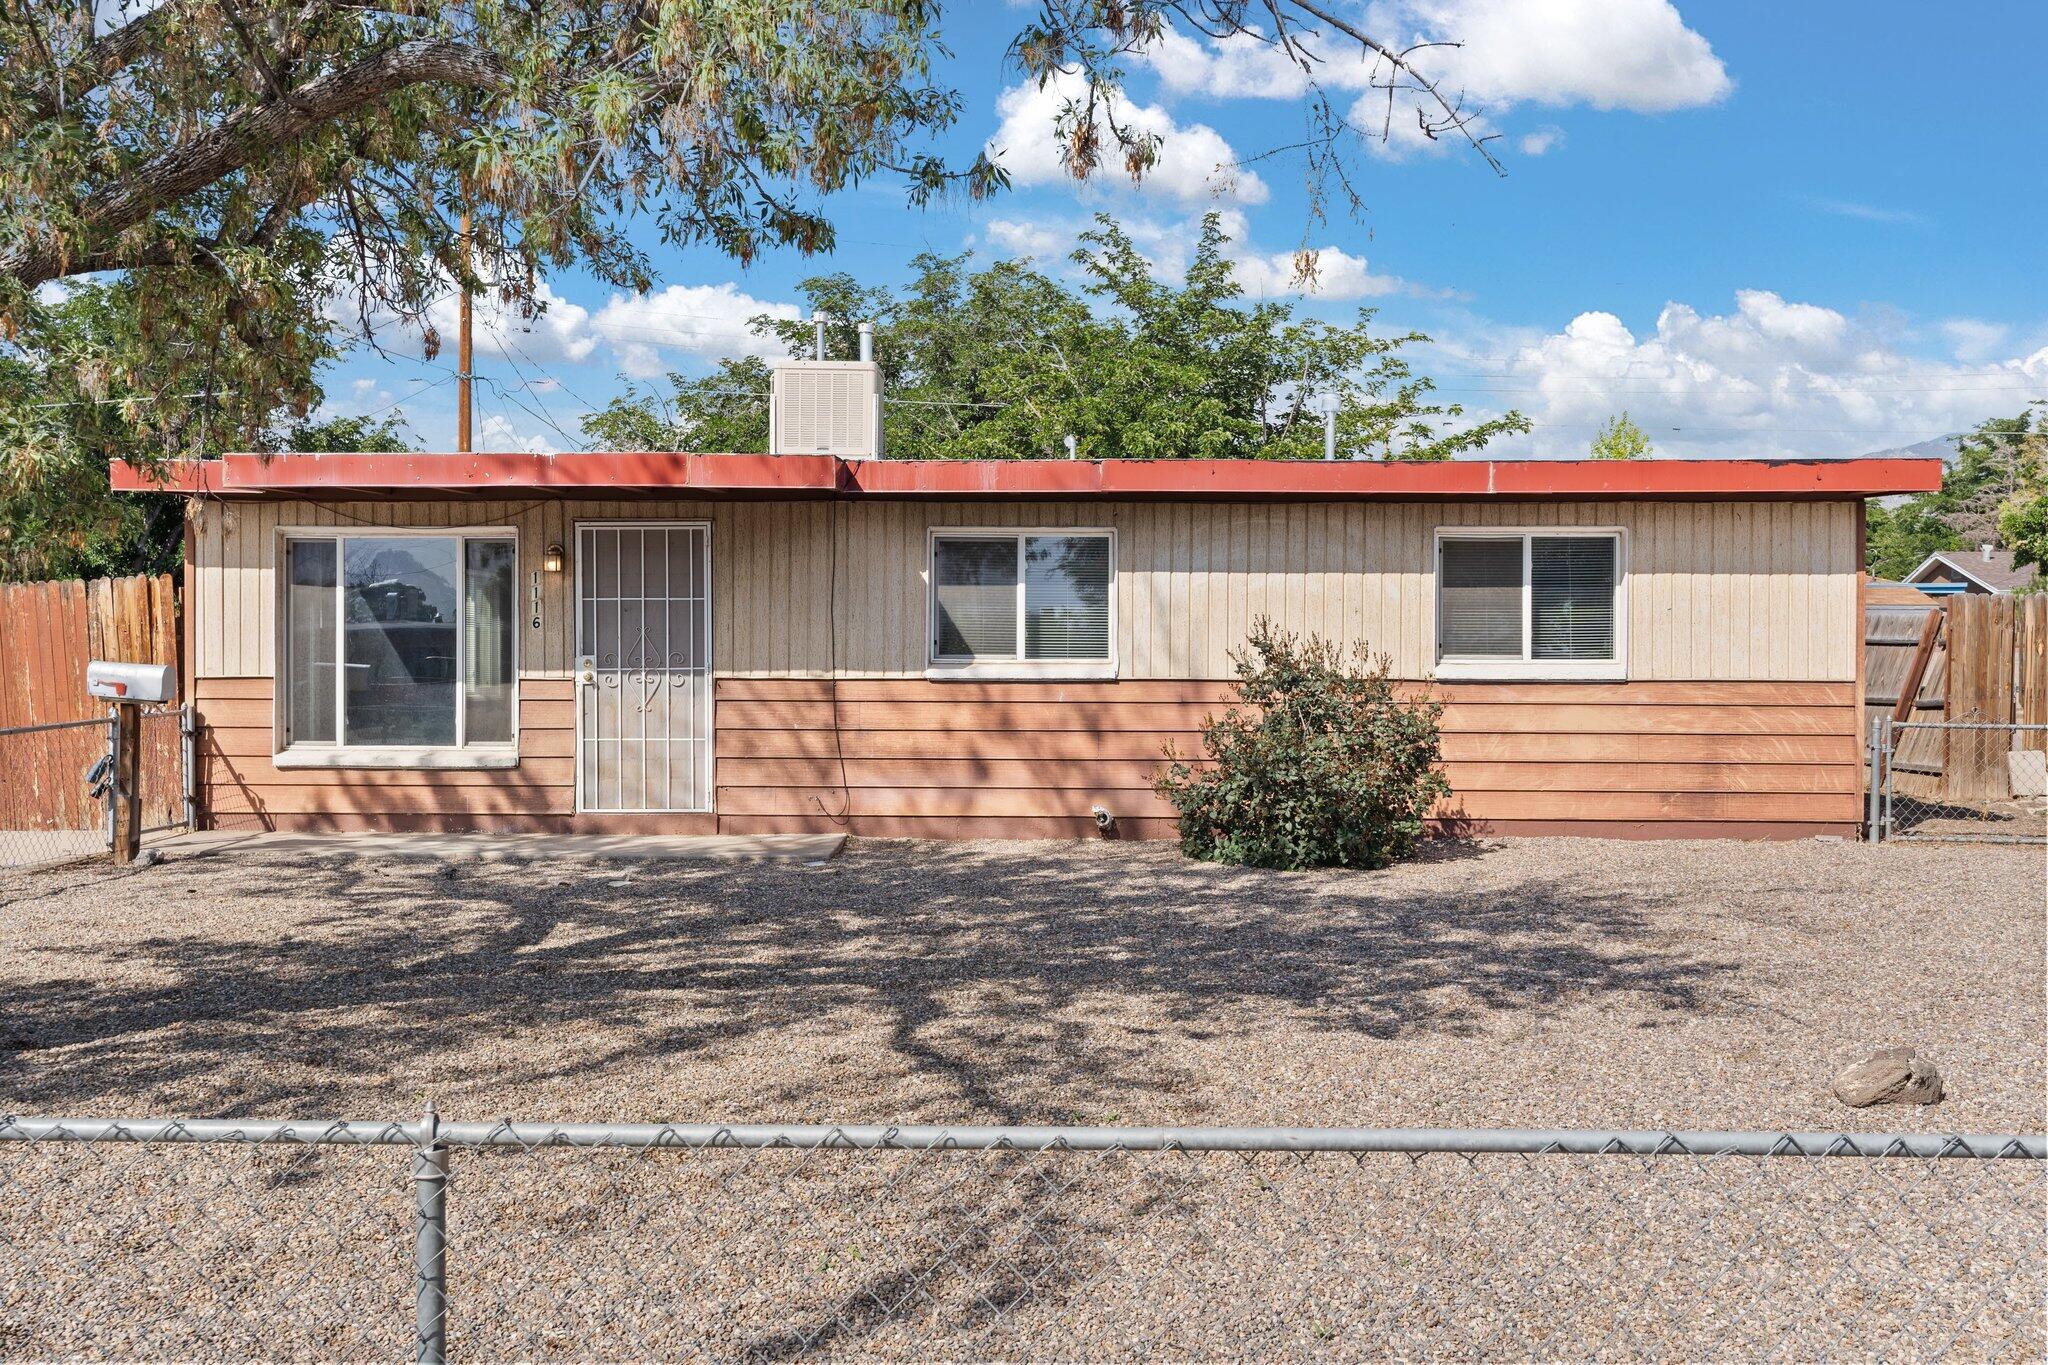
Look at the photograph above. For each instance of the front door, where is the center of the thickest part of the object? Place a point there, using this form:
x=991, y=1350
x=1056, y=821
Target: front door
x=643, y=666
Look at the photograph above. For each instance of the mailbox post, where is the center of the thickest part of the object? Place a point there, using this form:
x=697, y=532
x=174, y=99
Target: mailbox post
x=128, y=686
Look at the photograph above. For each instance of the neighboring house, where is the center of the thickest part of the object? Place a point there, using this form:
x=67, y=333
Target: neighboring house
x=697, y=643
x=1985, y=569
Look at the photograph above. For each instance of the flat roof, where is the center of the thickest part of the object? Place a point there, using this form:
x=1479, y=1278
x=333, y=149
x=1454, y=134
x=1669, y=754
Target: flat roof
x=649, y=474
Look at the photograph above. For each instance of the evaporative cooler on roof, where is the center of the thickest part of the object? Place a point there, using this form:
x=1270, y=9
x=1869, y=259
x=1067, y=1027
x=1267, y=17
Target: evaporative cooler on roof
x=826, y=407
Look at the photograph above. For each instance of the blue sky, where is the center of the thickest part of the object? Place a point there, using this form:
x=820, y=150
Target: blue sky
x=1763, y=229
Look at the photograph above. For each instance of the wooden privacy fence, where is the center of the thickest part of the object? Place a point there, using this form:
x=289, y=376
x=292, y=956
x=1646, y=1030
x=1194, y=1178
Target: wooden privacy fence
x=1964, y=659
x=48, y=631
x=1997, y=675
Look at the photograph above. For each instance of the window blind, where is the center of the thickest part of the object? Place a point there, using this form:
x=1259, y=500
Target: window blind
x=1571, y=597
x=1479, y=603
x=1066, y=597
x=974, y=597
x=309, y=643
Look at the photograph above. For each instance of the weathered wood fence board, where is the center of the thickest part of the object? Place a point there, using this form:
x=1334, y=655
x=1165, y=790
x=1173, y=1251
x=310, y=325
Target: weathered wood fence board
x=1996, y=676
x=1989, y=667
x=48, y=632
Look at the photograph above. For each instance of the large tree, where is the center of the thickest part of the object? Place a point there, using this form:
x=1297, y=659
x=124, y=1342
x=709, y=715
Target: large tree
x=244, y=159
x=223, y=171
x=1005, y=362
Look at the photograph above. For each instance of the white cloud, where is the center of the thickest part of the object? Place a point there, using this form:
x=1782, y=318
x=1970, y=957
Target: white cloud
x=558, y=331
x=1037, y=241
x=1338, y=275
x=1771, y=378
x=1973, y=338
x=497, y=433
x=1236, y=67
x=1610, y=54
x=708, y=321
x=1637, y=55
x=1195, y=164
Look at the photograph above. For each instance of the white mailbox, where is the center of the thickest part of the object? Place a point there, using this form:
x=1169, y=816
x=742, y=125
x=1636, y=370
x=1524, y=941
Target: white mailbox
x=129, y=682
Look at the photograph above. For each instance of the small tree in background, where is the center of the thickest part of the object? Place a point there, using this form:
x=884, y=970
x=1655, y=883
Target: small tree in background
x=1621, y=439
x=1992, y=492
x=1321, y=766
x=2023, y=516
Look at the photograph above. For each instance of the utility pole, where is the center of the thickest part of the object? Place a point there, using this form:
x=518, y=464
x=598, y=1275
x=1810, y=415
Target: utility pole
x=463, y=351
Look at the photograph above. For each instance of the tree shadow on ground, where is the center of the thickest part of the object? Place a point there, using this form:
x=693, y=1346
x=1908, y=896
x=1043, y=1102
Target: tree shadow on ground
x=988, y=967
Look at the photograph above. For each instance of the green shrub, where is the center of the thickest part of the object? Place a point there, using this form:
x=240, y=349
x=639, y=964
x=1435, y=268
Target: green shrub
x=1321, y=764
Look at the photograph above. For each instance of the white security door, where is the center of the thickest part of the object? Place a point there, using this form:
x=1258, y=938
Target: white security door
x=643, y=666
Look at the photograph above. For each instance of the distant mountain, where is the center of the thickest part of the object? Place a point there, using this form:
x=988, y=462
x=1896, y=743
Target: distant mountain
x=1942, y=446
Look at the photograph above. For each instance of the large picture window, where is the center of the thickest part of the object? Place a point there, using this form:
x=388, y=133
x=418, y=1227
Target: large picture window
x=399, y=642
x=1022, y=603
x=1535, y=604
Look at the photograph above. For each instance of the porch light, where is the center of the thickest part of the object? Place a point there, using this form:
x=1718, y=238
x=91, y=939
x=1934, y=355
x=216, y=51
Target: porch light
x=551, y=558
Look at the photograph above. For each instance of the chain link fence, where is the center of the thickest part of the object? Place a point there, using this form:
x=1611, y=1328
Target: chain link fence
x=49, y=810
x=57, y=789
x=1970, y=782
x=137, y=1238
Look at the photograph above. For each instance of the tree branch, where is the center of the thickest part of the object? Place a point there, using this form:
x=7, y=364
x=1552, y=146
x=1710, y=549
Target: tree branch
x=240, y=140
x=1455, y=115
x=99, y=59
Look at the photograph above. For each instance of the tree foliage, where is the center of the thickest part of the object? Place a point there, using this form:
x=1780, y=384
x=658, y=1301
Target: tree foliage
x=1005, y=361
x=1987, y=486
x=1621, y=439
x=1321, y=764
x=2023, y=515
x=66, y=410
x=245, y=160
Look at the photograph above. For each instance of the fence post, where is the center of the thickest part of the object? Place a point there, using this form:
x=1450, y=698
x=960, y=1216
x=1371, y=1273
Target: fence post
x=188, y=739
x=1887, y=740
x=430, y=1242
x=1875, y=767
x=127, y=781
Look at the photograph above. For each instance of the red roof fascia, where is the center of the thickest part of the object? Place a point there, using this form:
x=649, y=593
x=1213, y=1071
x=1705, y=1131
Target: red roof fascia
x=1450, y=479
x=631, y=471
x=660, y=472
x=979, y=478
x=174, y=476
x=1712, y=478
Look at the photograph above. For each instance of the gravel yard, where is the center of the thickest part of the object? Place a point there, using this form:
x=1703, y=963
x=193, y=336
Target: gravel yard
x=1527, y=983
x=1538, y=983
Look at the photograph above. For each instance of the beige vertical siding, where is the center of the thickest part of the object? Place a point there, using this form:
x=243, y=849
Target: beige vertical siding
x=1716, y=591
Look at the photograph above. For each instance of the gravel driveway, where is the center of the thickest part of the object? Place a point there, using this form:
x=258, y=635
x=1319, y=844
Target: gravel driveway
x=1534, y=983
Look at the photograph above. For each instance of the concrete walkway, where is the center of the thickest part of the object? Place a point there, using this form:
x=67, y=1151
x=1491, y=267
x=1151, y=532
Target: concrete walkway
x=808, y=848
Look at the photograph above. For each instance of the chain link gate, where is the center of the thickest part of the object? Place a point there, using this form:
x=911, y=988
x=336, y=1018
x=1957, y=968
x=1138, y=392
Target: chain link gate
x=57, y=797
x=333, y=1239
x=1959, y=781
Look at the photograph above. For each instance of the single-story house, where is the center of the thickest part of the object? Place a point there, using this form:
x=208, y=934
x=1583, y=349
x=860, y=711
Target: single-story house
x=1985, y=570
x=756, y=643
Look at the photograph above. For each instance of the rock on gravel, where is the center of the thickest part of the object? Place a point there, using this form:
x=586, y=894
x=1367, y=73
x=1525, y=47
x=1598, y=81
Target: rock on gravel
x=1893, y=1075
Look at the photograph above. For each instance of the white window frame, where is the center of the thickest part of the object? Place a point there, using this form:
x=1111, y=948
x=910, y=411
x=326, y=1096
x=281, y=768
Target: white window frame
x=1493, y=668
x=320, y=754
x=1018, y=670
